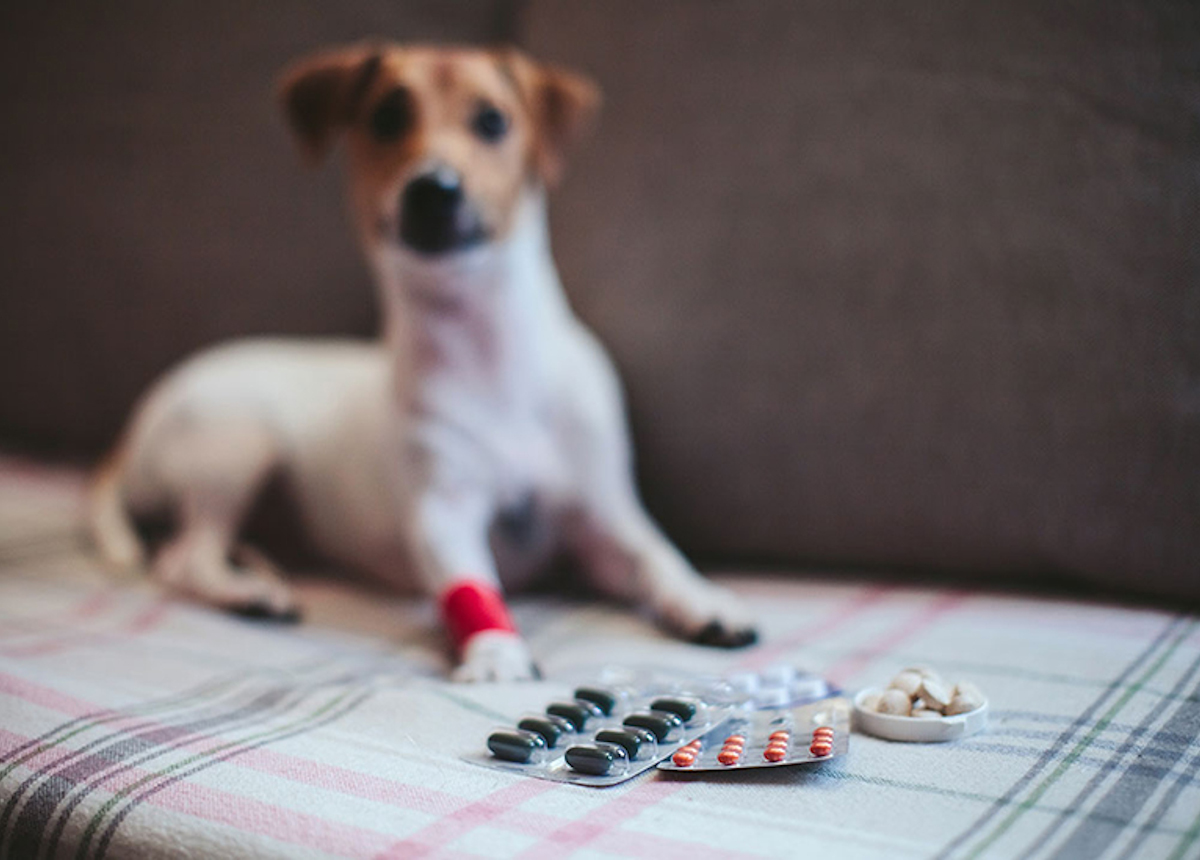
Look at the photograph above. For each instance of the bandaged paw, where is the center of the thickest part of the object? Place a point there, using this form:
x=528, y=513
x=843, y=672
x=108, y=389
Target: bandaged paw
x=496, y=655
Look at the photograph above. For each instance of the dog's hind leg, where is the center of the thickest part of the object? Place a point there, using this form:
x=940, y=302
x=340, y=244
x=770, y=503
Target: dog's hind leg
x=620, y=548
x=214, y=474
x=627, y=557
x=112, y=531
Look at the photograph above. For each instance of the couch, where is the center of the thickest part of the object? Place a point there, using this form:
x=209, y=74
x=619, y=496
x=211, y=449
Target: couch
x=907, y=304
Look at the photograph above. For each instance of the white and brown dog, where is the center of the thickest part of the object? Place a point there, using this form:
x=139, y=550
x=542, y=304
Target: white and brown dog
x=486, y=401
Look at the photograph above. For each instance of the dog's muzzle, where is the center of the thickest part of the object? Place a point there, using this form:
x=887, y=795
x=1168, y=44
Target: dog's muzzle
x=435, y=216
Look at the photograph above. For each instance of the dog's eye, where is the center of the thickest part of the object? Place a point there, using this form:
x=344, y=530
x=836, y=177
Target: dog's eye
x=489, y=123
x=393, y=116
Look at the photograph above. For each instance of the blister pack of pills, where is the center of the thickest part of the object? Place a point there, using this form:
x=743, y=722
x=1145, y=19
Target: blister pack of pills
x=769, y=737
x=613, y=729
x=603, y=734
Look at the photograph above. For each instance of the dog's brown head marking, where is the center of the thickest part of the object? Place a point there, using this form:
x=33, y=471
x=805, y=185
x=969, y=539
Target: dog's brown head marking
x=441, y=141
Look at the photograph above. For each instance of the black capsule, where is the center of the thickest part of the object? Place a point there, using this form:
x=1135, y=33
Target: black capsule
x=630, y=739
x=681, y=708
x=595, y=760
x=573, y=712
x=550, y=728
x=602, y=699
x=660, y=723
x=515, y=746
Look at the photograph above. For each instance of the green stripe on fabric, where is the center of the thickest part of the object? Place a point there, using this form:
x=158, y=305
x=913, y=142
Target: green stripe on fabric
x=333, y=716
x=1082, y=744
x=1131, y=790
x=1076, y=725
x=958, y=794
x=1188, y=840
x=468, y=704
x=206, y=691
x=1183, y=781
x=258, y=710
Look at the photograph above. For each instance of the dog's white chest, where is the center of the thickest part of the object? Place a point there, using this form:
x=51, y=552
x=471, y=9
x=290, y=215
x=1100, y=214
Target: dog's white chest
x=483, y=399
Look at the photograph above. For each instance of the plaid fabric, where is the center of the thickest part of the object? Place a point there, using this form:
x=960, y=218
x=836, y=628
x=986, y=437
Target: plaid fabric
x=135, y=726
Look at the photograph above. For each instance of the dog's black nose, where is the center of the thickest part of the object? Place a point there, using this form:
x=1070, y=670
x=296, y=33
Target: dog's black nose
x=433, y=217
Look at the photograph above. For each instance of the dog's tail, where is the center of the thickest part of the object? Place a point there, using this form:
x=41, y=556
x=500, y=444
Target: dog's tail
x=112, y=529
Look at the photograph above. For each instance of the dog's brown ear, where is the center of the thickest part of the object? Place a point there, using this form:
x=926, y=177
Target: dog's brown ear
x=321, y=93
x=563, y=106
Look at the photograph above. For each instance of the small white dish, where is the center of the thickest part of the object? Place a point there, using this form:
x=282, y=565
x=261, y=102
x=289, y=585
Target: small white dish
x=917, y=729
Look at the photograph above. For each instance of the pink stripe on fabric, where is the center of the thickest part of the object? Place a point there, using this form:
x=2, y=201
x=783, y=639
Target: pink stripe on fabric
x=449, y=807
x=36, y=694
x=576, y=834
x=247, y=814
x=268, y=819
x=143, y=622
x=846, y=668
x=93, y=604
x=856, y=605
x=600, y=829
x=446, y=829
x=96, y=604
x=9, y=742
x=317, y=774
x=353, y=783
x=651, y=846
x=151, y=617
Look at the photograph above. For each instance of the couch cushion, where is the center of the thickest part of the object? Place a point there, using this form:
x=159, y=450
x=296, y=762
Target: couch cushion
x=136, y=726
x=900, y=287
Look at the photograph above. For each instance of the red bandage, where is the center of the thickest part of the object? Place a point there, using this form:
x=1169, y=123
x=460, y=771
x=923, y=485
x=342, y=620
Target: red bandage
x=473, y=607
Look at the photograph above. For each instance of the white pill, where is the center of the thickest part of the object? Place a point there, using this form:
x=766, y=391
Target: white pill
x=935, y=694
x=925, y=714
x=969, y=691
x=870, y=701
x=966, y=698
x=908, y=681
x=925, y=672
x=894, y=702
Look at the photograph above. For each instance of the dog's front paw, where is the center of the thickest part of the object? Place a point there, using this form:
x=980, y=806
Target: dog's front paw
x=496, y=655
x=709, y=615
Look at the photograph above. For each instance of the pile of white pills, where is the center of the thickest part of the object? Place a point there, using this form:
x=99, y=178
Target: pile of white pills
x=920, y=692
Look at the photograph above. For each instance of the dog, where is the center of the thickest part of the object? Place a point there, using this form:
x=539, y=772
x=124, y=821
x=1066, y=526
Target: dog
x=481, y=436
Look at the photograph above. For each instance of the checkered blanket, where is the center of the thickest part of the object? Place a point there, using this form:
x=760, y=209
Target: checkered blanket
x=132, y=725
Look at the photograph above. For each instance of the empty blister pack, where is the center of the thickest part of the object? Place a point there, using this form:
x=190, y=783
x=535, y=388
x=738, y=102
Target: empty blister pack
x=603, y=734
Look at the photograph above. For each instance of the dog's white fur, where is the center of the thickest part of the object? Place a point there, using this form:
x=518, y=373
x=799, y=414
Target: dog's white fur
x=484, y=389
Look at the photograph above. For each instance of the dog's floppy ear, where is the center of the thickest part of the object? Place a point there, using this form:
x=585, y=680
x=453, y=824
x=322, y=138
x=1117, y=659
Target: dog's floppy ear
x=562, y=104
x=321, y=93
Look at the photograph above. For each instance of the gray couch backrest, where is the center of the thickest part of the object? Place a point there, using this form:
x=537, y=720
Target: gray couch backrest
x=895, y=286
